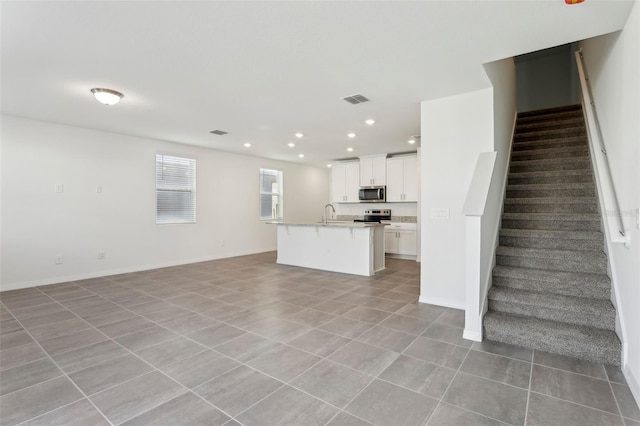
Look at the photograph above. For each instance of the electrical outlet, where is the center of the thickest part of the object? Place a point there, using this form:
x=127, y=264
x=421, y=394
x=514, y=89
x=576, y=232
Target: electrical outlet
x=440, y=213
x=58, y=188
x=59, y=259
x=99, y=189
x=101, y=255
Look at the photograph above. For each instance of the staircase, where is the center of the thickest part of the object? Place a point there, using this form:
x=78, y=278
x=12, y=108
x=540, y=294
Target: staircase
x=550, y=285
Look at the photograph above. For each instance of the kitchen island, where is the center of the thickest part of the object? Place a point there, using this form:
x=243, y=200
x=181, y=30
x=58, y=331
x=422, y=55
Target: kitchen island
x=347, y=247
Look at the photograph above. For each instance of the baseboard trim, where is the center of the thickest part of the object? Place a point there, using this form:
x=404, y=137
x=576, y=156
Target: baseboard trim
x=472, y=335
x=108, y=272
x=632, y=381
x=441, y=302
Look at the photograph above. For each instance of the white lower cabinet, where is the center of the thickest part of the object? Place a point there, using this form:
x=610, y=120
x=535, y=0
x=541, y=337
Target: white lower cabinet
x=400, y=238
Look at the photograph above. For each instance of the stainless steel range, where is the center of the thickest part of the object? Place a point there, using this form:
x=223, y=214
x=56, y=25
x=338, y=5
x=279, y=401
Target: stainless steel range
x=376, y=215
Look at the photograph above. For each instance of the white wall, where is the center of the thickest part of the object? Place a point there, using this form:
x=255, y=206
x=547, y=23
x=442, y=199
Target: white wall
x=38, y=224
x=454, y=131
x=613, y=65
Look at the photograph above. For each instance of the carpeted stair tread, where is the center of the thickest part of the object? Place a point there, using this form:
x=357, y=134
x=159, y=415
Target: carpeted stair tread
x=555, y=217
x=551, y=205
x=551, y=221
x=549, y=134
x=551, y=190
x=550, y=124
x=589, y=343
x=556, y=260
x=550, y=152
x=559, y=176
x=553, y=110
x=564, y=235
x=593, y=312
x=551, y=200
x=550, y=164
x=565, y=142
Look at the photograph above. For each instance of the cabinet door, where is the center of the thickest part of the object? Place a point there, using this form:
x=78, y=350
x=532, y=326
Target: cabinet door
x=352, y=182
x=395, y=180
x=338, y=183
x=379, y=171
x=407, y=243
x=366, y=171
x=411, y=179
x=391, y=242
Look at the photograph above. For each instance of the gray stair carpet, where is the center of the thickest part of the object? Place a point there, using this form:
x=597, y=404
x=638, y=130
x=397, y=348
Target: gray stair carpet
x=550, y=285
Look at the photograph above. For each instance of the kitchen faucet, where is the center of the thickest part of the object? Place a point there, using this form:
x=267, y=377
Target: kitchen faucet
x=324, y=212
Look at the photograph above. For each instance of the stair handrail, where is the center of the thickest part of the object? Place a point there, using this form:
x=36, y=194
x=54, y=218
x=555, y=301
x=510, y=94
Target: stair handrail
x=589, y=103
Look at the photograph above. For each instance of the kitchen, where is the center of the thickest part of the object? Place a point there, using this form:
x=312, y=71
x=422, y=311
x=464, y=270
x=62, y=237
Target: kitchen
x=358, y=228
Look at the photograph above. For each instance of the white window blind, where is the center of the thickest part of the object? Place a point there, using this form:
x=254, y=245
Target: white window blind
x=270, y=194
x=175, y=189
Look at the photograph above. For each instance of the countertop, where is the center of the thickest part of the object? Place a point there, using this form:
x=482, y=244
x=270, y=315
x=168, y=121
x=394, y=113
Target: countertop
x=332, y=224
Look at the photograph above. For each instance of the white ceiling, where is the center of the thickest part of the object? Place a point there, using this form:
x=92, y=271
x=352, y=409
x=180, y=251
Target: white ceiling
x=263, y=71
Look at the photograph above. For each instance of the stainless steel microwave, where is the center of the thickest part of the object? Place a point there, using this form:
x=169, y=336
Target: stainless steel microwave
x=372, y=194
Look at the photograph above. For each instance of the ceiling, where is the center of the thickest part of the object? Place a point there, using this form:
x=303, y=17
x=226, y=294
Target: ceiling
x=263, y=70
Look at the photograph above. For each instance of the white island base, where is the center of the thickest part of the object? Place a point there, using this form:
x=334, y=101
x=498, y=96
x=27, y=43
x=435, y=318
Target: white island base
x=350, y=248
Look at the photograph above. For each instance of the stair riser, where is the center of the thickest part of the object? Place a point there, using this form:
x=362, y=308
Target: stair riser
x=549, y=124
x=568, y=265
x=550, y=134
x=530, y=116
x=576, y=142
x=604, y=355
x=604, y=320
x=552, y=208
x=551, y=243
x=551, y=193
x=551, y=225
x=544, y=155
x=549, y=166
x=540, y=180
x=562, y=288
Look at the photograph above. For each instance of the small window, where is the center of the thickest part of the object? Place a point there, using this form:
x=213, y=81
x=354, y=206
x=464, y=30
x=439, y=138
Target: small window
x=270, y=194
x=175, y=189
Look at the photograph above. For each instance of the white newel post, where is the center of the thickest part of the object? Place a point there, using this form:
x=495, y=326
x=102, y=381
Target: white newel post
x=473, y=316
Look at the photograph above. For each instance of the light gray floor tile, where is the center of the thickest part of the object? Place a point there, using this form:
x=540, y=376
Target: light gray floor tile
x=152, y=306
x=311, y=318
x=186, y=409
x=109, y=373
x=284, y=362
x=384, y=304
x=615, y=374
x=72, y=341
x=448, y=334
x=81, y=413
x=437, y=352
x=132, y=398
x=454, y=317
x=334, y=307
x=288, y=406
x=406, y=324
x=419, y=376
x=20, y=377
x=279, y=329
x=628, y=405
x=366, y=358
x=200, y=368
x=498, y=368
x=171, y=351
x=503, y=349
x=170, y=313
x=189, y=323
x=573, y=387
x=14, y=339
x=383, y=404
x=216, y=334
x=19, y=355
x=423, y=311
x=400, y=297
x=127, y=326
x=319, y=342
x=246, y=347
x=544, y=411
x=346, y=327
x=33, y=401
x=387, y=338
x=332, y=383
x=361, y=313
x=10, y=326
x=449, y=415
x=278, y=309
x=238, y=389
x=495, y=400
x=629, y=422
x=86, y=357
x=145, y=338
x=346, y=419
x=109, y=318
x=573, y=365
x=54, y=313
x=58, y=329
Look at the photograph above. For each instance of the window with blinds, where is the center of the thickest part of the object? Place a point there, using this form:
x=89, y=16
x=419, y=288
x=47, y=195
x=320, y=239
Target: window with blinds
x=270, y=194
x=175, y=189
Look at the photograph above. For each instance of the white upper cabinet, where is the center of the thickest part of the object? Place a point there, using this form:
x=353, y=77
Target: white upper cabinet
x=402, y=179
x=345, y=182
x=373, y=170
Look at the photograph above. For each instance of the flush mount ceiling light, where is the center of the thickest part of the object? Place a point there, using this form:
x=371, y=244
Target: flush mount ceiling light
x=411, y=141
x=351, y=135
x=370, y=122
x=247, y=145
x=107, y=96
x=299, y=135
x=301, y=155
x=350, y=149
x=291, y=144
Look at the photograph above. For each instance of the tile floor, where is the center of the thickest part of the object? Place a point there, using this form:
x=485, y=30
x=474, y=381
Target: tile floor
x=246, y=341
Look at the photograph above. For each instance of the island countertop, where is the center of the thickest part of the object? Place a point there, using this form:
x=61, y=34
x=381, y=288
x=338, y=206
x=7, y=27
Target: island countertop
x=337, y=224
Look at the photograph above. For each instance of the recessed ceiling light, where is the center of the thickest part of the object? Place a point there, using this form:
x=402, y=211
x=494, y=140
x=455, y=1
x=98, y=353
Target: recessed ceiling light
x=107, y=96
x=299, y=135
x=301, y=155
x=291, y=144
x=351, y=135
x=411, y=141
x=370, y=122
x=247, y=145
x=350, y=149
x=329, y=165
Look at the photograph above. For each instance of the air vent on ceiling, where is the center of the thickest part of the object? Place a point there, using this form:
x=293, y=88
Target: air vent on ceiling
x=218, y=132
x=356, y=99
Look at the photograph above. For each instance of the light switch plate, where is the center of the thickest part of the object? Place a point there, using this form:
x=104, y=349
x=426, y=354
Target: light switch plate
x=440, y=213
x=58, y=188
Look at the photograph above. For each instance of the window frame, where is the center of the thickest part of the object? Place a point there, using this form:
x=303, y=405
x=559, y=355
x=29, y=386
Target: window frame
x=192, y=189
x=279, y=194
